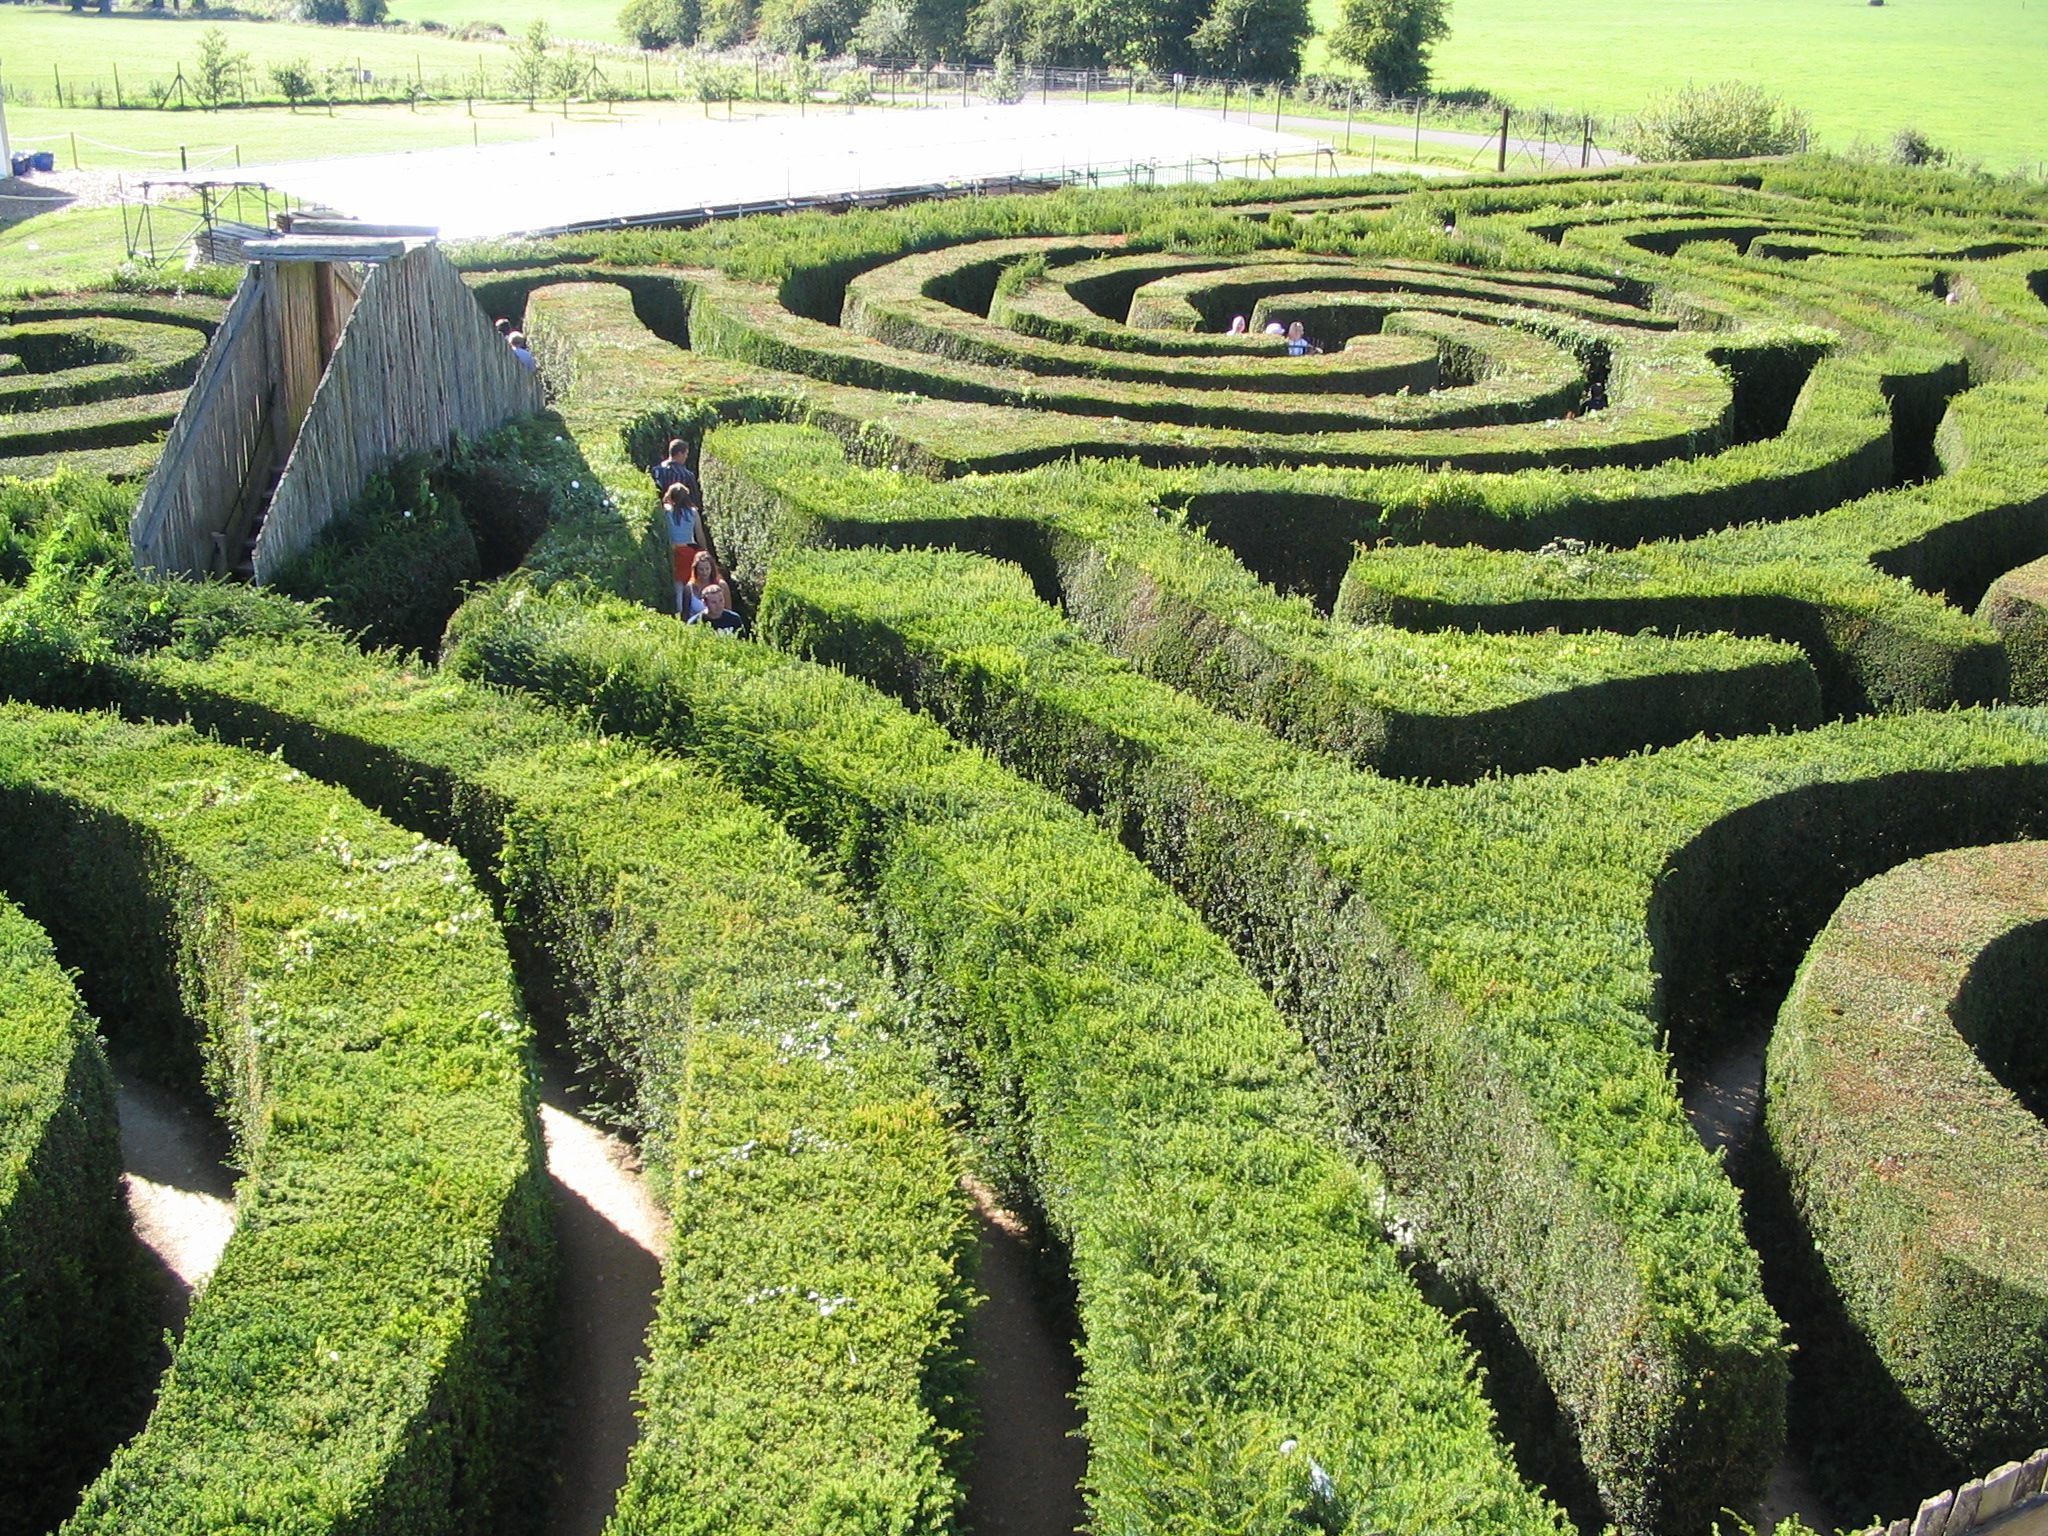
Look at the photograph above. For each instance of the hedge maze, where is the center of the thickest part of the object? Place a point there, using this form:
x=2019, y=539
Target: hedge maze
x=1310, y=832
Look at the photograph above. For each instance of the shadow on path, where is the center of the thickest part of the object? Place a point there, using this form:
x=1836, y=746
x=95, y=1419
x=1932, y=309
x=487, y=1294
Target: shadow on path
x=1025, y=1475
x=610, y=1239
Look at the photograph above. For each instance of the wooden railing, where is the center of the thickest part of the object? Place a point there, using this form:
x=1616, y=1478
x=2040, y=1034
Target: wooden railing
x=2013, y=1501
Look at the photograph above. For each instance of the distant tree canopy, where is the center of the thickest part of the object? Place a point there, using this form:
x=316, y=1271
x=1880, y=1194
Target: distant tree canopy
x=1250, y=39
x=1390, y=40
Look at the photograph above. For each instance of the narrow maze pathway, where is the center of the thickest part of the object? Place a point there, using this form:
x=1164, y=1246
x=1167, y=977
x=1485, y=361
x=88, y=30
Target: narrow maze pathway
x=180, y=1193
x=1026, y=1473
x=611, y=1239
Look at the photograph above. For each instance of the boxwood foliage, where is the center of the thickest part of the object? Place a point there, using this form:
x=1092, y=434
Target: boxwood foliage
x=1441, y=706
x=2016, y=607
x=1830, y=582
x=71, y=1342
x=1254, y=1359
x=361, y=1357
x=1493, y=1026
x=805, y=1367
x=1901, y=1093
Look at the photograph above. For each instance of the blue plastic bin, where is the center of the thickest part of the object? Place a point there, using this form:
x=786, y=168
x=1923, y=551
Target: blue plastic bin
x=44, y=160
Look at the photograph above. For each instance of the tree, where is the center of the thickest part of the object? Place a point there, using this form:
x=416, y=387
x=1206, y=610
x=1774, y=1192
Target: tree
x=1729, y=121
x=1034, y=31
x=368, y=13
x=530, y=60
x=794, y=25
x=1254, y=39
x=1390, y=40
x=294, y=81
x=1140, y=34
x=660, y=23
x=219, y=67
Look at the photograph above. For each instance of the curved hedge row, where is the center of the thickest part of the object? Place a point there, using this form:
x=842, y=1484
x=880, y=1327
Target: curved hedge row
x=708, y=978
x=1251, y=1346
x=69, y=1314
x=93, y=382
x=1412, y=705
x=1492, y=1025
x=360, y=1357
x=1901, y=1101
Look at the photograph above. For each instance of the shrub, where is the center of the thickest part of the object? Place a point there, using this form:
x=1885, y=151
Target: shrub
x=1732, y=120
x=72, y=1339
x=1182, y=1181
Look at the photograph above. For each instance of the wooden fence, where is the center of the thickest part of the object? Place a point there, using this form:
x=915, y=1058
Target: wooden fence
x=316, y=380
x=2012, y=1501
x=419, y=365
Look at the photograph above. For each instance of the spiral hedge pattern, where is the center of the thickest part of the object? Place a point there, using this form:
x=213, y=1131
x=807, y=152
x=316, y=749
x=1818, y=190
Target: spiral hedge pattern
x=1297, y=824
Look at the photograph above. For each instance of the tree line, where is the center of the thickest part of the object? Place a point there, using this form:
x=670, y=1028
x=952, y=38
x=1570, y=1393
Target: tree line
x=1388, y=40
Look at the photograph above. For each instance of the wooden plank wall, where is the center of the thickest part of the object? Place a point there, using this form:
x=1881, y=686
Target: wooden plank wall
x=419, y=364
x=190, y=495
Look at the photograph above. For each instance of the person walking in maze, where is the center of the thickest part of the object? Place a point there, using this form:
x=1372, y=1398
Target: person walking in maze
x=675, y=469
x=685, y=539
x=717, y=611
x=704, y=572
x=1298, y=344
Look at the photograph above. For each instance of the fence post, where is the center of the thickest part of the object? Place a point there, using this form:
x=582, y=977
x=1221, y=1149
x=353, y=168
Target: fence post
x=117, y=87
x=1278, y=96
x=1349, y=103
x=1045, y=85
x=1586, y=142
x=1226, y=99
x=74, y=151
x=1502, y=164
x=1418, y=125
x=181, y=159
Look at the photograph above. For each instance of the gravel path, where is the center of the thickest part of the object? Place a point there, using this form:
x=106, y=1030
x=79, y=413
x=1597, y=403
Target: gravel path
x=180, y=1193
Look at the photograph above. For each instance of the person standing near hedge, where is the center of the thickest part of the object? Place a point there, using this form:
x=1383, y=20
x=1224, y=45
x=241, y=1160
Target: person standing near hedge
x=685, y=539
x=675, y=469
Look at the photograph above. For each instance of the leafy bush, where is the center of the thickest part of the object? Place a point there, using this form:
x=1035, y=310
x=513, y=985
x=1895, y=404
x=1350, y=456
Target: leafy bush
x=72, y=1339
x=1733, y=120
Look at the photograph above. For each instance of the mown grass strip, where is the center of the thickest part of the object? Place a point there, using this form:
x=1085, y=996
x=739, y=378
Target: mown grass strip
x=1251, y=1347
x=360, y=1357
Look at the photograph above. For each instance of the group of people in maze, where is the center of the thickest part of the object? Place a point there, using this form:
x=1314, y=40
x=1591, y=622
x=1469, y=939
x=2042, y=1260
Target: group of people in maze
x=1296, y=336
x=703, y=594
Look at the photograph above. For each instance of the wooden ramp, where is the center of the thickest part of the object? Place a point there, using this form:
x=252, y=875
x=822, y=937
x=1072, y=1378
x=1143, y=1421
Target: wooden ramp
x=340, y=354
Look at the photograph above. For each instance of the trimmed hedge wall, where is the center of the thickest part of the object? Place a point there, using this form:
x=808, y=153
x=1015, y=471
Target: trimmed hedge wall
x=1827, y=582
x=1252, y=1349
x=2016, y=608
x=1492, y=1025
x=1420, y=706
x=707, y=976
x=361, y=1357
x=72, y=1344
x=1913, y=1164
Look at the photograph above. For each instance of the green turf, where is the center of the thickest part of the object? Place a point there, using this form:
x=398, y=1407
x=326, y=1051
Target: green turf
x=1968, y=73
x=70, y=248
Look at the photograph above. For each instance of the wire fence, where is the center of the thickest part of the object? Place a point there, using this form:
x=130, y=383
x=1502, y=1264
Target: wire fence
x=564, y=80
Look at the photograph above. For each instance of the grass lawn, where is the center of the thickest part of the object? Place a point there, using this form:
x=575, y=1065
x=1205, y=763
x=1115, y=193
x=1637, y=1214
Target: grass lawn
x=52, y=252
x=148, y=47
x=1970, y=74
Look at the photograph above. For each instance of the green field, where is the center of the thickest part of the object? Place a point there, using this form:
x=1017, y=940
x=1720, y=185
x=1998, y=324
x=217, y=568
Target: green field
x=597, y=20
x=1971, y=74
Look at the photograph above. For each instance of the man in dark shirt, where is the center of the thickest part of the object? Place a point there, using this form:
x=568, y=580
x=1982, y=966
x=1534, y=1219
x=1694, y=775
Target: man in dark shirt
x=675, y=470
x=717, y=610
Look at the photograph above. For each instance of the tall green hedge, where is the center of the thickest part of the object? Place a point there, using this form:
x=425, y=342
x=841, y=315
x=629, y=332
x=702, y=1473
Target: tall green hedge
x=362, y=1357
x=72, y=1348
x=1901, y=1098
x=1253, y=1355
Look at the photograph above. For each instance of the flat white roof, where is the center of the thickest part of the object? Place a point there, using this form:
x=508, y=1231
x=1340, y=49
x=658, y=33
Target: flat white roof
x=596, y=174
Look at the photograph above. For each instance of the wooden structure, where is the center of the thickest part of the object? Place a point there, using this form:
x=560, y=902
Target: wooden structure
x=339, y=354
